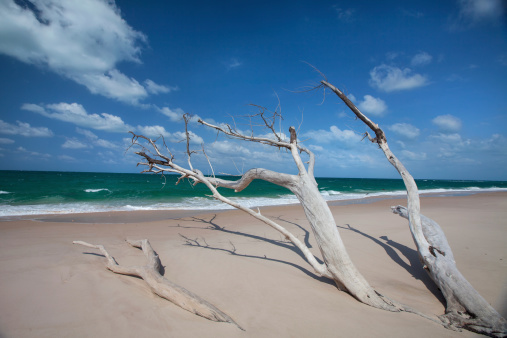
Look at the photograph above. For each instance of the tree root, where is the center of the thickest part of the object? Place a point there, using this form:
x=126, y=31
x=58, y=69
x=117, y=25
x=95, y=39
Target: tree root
x=161, y=285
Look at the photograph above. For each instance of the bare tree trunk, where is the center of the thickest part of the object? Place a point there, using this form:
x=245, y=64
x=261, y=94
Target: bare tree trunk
x=465, y=308
x=337, y=263
x=161, y=285
x=334, y=254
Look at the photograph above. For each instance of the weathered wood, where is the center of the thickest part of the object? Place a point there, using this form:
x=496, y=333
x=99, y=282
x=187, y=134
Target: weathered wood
x=465, y=307
x=160, y=285
x=337, y=264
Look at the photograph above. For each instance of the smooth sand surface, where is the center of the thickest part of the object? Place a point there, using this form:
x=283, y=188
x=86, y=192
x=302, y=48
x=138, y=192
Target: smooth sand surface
x=52, y=288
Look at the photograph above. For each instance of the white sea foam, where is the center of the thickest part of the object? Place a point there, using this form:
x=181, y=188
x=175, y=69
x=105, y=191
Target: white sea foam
x=4, y=192
x=97, y=190
x=203, y=203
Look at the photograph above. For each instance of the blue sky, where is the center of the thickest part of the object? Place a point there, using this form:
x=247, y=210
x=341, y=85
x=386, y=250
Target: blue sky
x=75, y=76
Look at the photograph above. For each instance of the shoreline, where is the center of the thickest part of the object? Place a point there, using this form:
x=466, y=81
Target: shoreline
x=133, y=216
x=50, y=287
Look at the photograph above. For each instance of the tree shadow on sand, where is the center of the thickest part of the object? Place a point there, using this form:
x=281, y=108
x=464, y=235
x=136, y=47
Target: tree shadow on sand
x=212, y=225
x=414, y=267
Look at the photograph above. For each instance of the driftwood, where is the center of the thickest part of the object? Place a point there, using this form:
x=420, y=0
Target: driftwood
x=337, y=264
x=465, y=308
x=161, y=285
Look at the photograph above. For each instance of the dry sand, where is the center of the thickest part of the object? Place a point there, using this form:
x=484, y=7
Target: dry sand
x=52, y=288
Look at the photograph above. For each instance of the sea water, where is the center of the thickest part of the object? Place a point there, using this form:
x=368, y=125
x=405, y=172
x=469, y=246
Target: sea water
x=35, y=193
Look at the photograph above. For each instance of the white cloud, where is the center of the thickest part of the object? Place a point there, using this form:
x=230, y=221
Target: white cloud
x=33, y=153
x=157, y=131
x=74, y=144
x=175, y=115
x=447, y=123
x=233, y=63
x=421, y=59
x=112, y=84
x=413, y=156
x=228, y=148
x=344, y=15
x=154, y=88
x=95, y=140
x=153, y=131
x=475, y=11
x=75, y=113
x=81, y=40
x=373, y=106
x=454, y=139
x=24, y=129
x=6, y=140
x=390, y=78
x=405, y=129
x=334, y=134
x=67, y=158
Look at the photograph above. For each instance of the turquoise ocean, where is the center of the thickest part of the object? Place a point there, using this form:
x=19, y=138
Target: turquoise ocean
x=35, y=193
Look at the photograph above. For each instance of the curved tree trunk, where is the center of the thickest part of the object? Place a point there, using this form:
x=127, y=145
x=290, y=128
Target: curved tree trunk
x=465, y=307
x=334, y=254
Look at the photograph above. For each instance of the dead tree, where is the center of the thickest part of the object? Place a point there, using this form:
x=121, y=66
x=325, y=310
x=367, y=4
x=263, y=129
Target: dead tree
x=465, y=307
x=160, y=285
x=337, y=264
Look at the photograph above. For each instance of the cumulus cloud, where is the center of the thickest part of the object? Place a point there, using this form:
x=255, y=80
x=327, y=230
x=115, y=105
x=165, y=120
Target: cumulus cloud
x=75, y=113
x=447, y=123
x=372, y=105
x=405, y=129
x=334, y=134
x=24, y=129
x=80, y=40
x=421, y=59
x=389, y=78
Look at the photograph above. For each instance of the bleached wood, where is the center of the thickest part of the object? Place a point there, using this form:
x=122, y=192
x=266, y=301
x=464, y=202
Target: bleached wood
x=160, y=285
x=465, y=307
x=337, y=263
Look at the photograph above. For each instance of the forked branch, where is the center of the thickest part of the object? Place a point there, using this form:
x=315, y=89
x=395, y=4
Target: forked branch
x=160, y=285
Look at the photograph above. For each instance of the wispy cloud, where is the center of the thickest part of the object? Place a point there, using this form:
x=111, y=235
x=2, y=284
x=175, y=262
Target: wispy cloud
x=74, y=144
x=4, y=140
x=390, y=78
x=23, y=129
x=80, y=40
x=175, y=115
x=154, y=88
x=233, y=64
x=421, y=59
x=473, y=12
x=345, y=15
x=25, y=151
